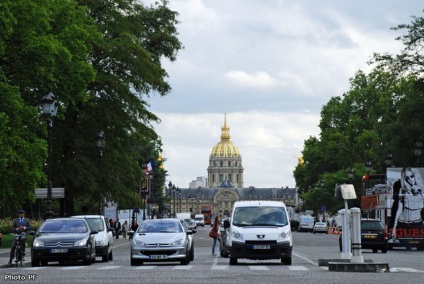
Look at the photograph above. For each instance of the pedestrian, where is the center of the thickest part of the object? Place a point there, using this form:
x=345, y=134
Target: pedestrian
x=19, y=226
x=216, y=226
x=125, y=229
x=133, y=228
x=117, y=227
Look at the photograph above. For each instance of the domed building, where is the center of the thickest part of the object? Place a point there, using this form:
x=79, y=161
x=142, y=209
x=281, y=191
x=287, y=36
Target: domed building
x=225, y=163
x=224, y=184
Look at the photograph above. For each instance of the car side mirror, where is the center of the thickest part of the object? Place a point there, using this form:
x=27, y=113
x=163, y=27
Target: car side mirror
x=226, y=224
x=32, y=232
x=93, y=232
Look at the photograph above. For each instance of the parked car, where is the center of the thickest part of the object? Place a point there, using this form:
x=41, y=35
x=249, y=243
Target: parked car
x=104, y=237
x=320, y=227
x=160, y=240
x=63, y=239
x=374, y=235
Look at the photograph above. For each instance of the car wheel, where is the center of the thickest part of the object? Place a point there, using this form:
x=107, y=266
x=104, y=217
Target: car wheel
x=110, y=255
x=44, y=262
x=314, y=232
x=286, y=260
x=233, y=261
x=186, y=260
x=134, y=262
x=105, y=258
x=384, y=250
x=192, y=254
x=374, y=250
x=35, y=262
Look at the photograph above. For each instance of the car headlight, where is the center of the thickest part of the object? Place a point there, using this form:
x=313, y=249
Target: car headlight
x=101, y=243
x=178, y=243
x=237, y=235
x=138, y=242
x=38, y=244
x=80, y=243
x=285, y=235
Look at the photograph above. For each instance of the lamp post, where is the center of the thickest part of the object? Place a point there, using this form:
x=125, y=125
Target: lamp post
x=100, y=143
x=418, y=151
x=179, y=198
x=351, y=174
x=49, y=106
x=323, y=208
x=173, y=188
x=368, y=167
x=389, y=160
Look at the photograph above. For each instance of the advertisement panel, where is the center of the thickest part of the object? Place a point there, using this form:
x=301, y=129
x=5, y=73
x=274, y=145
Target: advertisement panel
x=405, y=185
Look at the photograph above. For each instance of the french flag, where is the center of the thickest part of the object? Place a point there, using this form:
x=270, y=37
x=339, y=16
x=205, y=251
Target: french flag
x=149, y=167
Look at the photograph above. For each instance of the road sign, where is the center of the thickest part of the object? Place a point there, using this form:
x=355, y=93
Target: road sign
x=323, y=209
x=57, y=192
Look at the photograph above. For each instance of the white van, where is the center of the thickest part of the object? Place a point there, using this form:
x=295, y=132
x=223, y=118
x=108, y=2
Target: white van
x=260, y=230
x=199, y=219
x=104, y=237
x=306, y=223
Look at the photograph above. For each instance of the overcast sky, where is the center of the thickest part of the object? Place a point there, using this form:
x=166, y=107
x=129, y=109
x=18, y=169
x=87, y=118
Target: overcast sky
x=271, y=66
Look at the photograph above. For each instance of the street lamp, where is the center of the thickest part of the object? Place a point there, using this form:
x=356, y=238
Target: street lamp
x=101, y=144
x=178, y=196
x=389, y=160
x=350, y=174
x=173, y=188
x=368, y=167
x=49, y=106
x=418, y=151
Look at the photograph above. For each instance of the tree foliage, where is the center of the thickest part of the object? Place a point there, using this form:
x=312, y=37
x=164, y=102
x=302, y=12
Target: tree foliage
x=100, y=59
x=379, y=114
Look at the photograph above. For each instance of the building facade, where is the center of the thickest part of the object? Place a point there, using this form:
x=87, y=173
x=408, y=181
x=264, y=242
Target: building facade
x=225, y=184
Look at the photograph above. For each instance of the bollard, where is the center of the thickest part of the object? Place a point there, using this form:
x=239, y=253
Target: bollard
x=346, y=248
x=356, y=235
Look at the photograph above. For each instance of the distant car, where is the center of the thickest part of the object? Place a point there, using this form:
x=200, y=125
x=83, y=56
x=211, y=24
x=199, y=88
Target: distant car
x=199, y=219
x=104, y=237
x=374, y=235
x=190, y=236
x=191, y=224
x=320, y=227
x=158, y=240
x=63, y=239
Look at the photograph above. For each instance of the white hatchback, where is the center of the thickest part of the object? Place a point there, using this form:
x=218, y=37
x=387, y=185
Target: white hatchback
x=104, y=237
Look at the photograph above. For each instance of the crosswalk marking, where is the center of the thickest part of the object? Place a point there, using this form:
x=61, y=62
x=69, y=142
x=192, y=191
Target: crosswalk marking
x=183, y=267
x=110, y=267
x=258, y=267
x=145, y=267
x=297, y=267
x=214, y=266
x=220, y=267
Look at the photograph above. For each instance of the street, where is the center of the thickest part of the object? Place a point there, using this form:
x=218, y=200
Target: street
x=405, y=266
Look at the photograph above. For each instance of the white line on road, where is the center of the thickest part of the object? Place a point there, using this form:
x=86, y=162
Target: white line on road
x=258, y=267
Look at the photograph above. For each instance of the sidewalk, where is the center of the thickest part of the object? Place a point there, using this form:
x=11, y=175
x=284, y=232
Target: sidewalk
x=5, y=252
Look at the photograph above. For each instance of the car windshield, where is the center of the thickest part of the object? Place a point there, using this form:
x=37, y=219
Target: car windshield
x=96, y=224
x=260, y=216
x=63, y=226
x=371, y=225
x=160, y=227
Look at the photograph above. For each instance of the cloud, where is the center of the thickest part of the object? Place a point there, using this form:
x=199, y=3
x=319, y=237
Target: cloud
x=271, y=66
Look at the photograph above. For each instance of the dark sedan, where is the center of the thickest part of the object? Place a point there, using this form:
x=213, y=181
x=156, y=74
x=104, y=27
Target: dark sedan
x=63, y=239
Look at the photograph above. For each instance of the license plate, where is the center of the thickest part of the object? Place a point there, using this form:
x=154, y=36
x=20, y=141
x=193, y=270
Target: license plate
x=159, y=256
x=370, y=236
x=59, y=250
x=261, y=247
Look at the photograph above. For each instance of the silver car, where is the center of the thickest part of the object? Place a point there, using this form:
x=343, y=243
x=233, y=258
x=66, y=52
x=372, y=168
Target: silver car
x=159, y=240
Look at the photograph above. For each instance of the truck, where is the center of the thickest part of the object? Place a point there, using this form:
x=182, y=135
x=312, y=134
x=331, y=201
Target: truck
x=306, y=223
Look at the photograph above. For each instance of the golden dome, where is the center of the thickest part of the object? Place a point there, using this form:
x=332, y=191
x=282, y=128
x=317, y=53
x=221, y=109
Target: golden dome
x=225, y=148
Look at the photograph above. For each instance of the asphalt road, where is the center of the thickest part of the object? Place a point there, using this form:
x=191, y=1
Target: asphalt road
x=405, y=266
